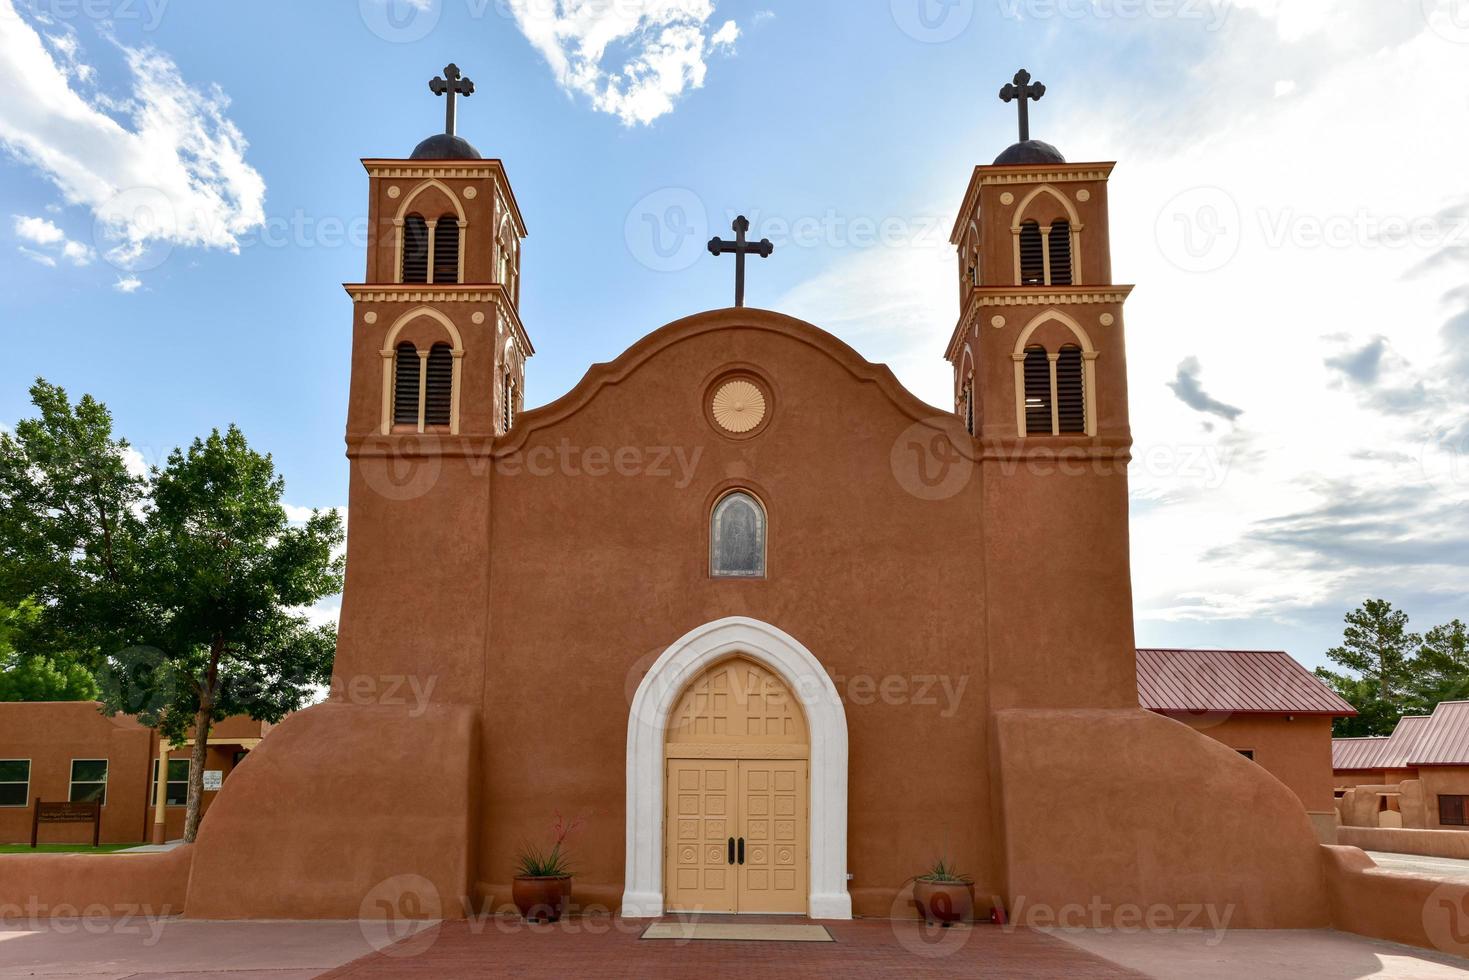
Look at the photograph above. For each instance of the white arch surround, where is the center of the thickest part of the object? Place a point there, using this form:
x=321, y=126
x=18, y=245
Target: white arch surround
x=647, y=723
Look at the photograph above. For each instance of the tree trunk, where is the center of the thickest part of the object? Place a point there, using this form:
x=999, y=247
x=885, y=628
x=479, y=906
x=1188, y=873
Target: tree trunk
x=202, y=722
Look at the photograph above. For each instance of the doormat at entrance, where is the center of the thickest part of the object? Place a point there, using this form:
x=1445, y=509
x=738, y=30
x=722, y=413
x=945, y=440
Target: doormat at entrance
x=737, y=932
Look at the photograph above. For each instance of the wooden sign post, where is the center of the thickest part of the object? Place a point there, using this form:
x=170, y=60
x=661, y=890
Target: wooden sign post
x=67, y=813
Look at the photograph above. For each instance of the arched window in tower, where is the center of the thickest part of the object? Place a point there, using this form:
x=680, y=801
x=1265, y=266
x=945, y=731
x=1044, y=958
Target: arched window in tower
x=737, y=537
x=405, y=385
x=415, y=249
x=507, y=402
x=1032, y=255
x=438, y=397
x=1071, y=391
x=1037, y=392
x=446, y=249
x=967, y=405
x=1060, y=245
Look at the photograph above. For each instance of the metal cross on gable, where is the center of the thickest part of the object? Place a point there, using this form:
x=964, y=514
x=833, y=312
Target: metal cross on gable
x=740, y=248
x=451, y=84
x=1023, y=91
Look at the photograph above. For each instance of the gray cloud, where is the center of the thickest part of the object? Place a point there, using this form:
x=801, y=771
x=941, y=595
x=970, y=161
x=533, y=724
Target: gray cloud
x=1362, y=366
x=1190, y=391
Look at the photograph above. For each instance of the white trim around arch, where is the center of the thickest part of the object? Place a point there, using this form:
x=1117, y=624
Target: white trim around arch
x=647, y=723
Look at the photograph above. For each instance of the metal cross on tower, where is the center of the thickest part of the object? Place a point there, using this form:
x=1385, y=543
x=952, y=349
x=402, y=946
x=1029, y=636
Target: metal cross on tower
x=452, y=84
x=1023, y=91
x=740, y=248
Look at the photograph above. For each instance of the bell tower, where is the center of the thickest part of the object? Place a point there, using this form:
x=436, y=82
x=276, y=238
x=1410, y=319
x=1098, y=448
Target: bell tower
x=438, y=368
x=1040, y=381
x=439, y=347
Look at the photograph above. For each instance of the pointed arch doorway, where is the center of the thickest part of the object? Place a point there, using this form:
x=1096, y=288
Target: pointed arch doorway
x=793, y=700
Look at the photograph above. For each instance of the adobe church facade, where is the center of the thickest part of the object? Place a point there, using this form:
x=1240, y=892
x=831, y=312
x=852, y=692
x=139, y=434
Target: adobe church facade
x=775, y=630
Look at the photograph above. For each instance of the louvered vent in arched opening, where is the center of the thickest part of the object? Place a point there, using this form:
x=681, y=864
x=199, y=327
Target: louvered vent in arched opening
x=1032, y=255
x=446, y=249
x=969, y=406
x=438, y=398
x=507, y=403
x=1037, y=392
x=415, y=249
x=405, y=386
x=1071, y=391
x=1060, y=242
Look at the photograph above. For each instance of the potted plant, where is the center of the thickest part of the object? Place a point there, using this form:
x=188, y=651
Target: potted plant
x=943, y=895
x=542, y=887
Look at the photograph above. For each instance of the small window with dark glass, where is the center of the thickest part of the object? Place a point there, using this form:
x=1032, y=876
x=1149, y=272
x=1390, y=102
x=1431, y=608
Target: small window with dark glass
x=737, y=537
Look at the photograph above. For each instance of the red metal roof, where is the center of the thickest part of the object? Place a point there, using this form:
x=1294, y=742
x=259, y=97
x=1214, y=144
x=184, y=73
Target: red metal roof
x=1236, y=681
x=1406, y=738
x=1357, y=753
x=1445, y=739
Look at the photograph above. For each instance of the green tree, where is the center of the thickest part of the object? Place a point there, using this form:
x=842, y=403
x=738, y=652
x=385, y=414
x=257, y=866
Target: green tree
x=1378, y=651
x=190, y=580
x=25, y=677
x=1442, y=666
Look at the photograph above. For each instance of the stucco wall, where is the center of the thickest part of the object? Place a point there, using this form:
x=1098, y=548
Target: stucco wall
x=1439, y=781
x=1296, y=751
x=51, y=735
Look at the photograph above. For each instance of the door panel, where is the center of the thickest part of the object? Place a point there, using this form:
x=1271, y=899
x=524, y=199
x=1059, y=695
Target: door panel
x=701, y=805
x=772, y=822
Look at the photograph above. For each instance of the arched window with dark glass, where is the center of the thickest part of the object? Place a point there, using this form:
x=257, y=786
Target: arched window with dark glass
x=438, y=398
x=405, y=385
x=737, y=537
x=1071, y=391
x=446, y=249
x=1060, y=243
x=415, y=249
x=1032, y=255
x=1037, y=392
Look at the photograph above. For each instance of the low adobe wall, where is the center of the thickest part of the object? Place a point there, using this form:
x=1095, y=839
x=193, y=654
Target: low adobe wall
x=347, y=811
x=1429, y=843
x=43, y=886
x=1126, y=811
x=1417, y=910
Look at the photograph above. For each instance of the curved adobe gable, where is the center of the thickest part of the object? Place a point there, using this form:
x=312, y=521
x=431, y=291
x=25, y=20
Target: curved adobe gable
x=630, y=361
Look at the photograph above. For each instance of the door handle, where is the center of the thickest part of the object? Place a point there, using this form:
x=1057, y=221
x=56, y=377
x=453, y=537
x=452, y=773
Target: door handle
x=731, y=850
x=742, y=850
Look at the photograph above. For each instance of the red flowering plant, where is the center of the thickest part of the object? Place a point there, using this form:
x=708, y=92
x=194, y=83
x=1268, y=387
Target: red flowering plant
x=534, y=861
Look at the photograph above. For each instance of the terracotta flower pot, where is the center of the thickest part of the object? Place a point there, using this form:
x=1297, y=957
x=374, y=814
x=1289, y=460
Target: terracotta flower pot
x=542, y=899
x=944, y=902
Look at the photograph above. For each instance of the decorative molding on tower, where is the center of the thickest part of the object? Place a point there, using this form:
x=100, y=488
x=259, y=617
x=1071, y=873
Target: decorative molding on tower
x=493, y=170
x=991, y=176
x=983, y=299
x=492, y=293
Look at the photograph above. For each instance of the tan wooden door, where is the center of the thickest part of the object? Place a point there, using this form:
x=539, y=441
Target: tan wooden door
x=772, y=826
x=700, y=827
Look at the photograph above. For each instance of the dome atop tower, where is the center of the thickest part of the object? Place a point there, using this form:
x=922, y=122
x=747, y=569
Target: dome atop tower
x=442, y=146
x=1030, y=151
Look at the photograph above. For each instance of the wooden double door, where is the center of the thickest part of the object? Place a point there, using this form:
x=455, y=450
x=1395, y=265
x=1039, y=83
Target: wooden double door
x=736, y=836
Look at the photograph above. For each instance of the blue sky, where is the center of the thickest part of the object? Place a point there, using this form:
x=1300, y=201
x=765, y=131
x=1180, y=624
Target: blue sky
x=1298, y=228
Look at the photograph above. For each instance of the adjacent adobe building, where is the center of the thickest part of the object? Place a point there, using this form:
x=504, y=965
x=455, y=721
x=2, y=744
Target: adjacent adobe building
x=1263, y=705
x=60, y=752
x=1416, y=779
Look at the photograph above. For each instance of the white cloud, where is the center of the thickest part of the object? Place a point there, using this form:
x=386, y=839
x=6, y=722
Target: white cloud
x=661, y=45
x=128, y=284
x=38, y=231
x=166, y=168
x=49, y=241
